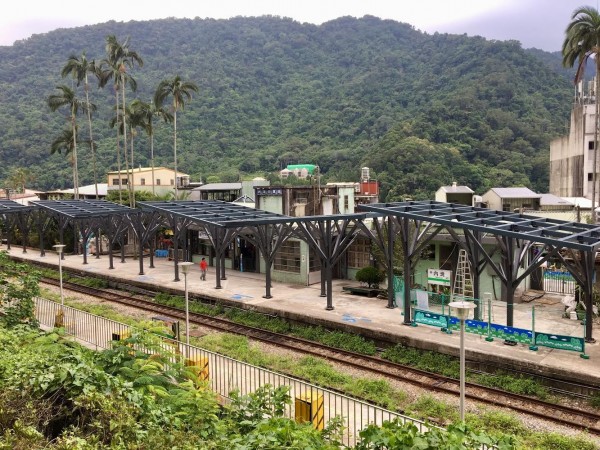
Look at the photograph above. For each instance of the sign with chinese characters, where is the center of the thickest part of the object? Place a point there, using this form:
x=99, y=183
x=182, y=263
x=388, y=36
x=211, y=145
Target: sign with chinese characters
x=439, y=276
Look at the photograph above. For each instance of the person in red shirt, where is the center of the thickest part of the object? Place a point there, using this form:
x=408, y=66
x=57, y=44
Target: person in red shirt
x=203, y=268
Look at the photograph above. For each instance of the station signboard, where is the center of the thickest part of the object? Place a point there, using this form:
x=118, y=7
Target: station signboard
x=439, y=277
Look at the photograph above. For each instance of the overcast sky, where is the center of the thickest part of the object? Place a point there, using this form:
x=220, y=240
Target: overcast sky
x=536, y=23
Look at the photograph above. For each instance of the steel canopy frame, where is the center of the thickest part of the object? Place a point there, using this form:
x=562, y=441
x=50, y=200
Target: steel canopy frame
x=90, y=215
x=515, y=234
x=575, y=235
x=223, y=221
x=13, y=213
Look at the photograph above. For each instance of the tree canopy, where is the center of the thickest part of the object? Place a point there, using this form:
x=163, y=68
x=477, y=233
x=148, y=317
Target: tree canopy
x=272, y=91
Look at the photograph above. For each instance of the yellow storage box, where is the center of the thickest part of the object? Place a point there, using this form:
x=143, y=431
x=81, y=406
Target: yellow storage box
x=310, y=408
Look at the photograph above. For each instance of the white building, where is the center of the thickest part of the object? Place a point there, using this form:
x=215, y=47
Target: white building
x=159, y=180
x=572, y=156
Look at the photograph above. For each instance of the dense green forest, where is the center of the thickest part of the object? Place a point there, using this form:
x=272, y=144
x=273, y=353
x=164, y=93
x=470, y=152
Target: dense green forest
x=421, y=110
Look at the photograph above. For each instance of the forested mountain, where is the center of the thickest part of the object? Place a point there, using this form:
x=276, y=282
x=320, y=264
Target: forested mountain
x=420, y=110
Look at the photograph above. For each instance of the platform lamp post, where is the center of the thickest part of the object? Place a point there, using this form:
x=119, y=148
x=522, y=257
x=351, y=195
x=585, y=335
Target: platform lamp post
x=59, y=320
x=462, y=311
x=185, y=268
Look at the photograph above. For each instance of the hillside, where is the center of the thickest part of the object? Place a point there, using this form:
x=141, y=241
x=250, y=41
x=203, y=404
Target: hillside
x=421, y=110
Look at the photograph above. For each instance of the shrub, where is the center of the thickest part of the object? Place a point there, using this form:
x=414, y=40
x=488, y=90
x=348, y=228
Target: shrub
x=370, y=275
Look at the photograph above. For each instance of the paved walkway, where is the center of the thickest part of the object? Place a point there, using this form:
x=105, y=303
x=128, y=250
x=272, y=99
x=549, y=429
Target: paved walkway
x=362, y=315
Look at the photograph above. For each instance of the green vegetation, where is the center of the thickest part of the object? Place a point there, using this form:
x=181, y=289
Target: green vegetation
x=272, y=91
x=19, y=285
x=319, y=372
x=370, y=275
x=519, y=384
x=449, y=366
x=59, y=396
x=424, y=360
x=336, y=339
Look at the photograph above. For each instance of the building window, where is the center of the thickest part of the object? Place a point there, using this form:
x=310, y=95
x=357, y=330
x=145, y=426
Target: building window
x=359, y=253
x=172, y=182
x=287, y=258
x=143, y=181
x=428, y=252
x=591, y=145
x=346, y=202
x=158, y=181
x=124, y=181
x=115, y=181
x=590, y=177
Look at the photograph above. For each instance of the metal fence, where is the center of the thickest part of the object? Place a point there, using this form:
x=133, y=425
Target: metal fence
x=225, y=375
x=558, y=281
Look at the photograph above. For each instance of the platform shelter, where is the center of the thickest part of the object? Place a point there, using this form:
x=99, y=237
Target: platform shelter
x=89, y=218
x=524, y=242
x=15, y=215
x=329, y=236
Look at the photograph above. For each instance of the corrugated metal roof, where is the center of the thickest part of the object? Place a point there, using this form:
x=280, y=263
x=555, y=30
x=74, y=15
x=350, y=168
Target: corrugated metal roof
x=515, y=192
x=146, y=169
x=554, y=200
x=582, y=202
x=219, y=187
x=89, y=189
x=458, y=189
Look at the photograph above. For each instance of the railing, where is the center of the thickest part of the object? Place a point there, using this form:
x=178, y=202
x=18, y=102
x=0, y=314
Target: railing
x=558, y=281
x=226, y=374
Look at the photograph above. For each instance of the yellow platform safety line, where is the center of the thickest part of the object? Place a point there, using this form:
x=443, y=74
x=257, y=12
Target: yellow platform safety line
x=201, y=363
x=310, y=408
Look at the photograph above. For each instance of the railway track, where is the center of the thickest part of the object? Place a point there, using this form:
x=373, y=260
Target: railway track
x=564, y=415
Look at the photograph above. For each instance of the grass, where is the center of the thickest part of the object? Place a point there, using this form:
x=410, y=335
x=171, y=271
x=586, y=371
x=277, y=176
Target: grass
x=314, y=370
x=424, y=360
x=429, y=408
x=450, y=366
x=518, y=384
x=595, y=400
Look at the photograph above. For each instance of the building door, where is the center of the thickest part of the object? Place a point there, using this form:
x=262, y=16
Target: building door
x=246, y=256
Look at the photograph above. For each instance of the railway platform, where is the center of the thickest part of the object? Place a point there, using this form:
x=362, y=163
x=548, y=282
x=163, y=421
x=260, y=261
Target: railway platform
x=367, y=316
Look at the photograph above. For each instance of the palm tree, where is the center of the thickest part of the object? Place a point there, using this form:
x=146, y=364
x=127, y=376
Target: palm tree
x=122, y=120
x=582, y=41
x=18, y=178
x=135, y=118
x=67, y=142
x=79, y=70
x=146, y=112
x=67, y=97
x=179, y=90
x=114, y=67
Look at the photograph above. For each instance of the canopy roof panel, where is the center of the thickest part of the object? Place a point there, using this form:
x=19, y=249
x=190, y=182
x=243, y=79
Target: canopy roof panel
x=82, y=209
x=211, y=212
x=229, y=215
x=10, y=207
x=559, y=233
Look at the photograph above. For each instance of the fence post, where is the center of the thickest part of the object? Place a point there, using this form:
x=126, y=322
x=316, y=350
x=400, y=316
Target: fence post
x=533, y=347
x=583, y=354
x=489, y=337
